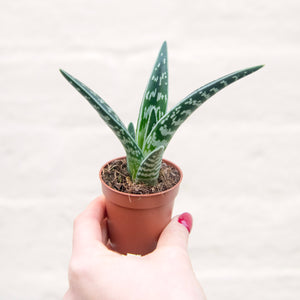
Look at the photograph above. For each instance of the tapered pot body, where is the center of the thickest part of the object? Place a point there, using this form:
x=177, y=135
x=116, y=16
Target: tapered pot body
x=136, y=221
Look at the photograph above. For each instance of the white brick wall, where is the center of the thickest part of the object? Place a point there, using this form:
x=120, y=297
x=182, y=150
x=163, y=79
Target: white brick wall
x=245, y=141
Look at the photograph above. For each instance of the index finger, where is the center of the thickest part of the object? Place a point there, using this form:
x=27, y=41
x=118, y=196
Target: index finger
x=87, y=226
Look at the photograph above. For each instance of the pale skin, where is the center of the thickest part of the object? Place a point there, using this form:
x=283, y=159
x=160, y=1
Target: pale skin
x=97, y=273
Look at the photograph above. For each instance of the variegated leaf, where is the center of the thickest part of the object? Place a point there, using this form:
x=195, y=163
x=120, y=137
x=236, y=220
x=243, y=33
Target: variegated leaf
x=148, y=171
x=151, y=120
x=133, y=152
x=165, y=128
x=155, y=96
x=131, y=130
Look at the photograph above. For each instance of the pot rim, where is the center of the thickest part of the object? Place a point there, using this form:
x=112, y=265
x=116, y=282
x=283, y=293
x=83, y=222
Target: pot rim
x=141, y=195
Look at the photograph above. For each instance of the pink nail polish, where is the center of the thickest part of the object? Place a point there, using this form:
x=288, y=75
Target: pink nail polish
x=186, y=220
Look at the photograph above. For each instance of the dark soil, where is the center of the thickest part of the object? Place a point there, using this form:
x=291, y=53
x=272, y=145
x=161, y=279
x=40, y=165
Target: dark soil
x=117, y=177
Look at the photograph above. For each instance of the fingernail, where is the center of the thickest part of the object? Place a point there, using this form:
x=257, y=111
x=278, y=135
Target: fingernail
x=186, y=220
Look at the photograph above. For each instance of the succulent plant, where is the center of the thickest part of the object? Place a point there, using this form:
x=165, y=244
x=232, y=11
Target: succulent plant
x=145, y=146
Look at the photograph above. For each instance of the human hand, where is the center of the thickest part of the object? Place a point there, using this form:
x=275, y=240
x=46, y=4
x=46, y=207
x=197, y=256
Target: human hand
x=95, y=272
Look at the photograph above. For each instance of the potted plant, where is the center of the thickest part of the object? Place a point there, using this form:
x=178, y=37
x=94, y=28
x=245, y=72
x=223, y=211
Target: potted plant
x=140, y=188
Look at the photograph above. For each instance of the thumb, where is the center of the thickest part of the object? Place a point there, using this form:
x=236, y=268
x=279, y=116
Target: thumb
x=177, y=232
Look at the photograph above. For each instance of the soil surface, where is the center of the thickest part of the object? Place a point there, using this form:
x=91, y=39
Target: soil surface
x=117, y=177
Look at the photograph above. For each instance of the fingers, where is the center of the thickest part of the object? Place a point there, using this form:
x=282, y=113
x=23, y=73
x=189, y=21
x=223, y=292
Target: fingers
x=87, y=226
x=67, y=295
x=104, y=230
x=176, y=233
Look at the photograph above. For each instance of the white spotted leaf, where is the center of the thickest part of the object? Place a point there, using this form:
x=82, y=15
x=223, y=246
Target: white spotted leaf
x=133, y=152
x=165, y=128
x=148, y=171
x=155, y=98
x=145, y=147
x=131, y=130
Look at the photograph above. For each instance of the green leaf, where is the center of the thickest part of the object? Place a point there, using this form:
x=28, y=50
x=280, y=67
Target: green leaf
x=133, y=152
x=151, y=120
x=155, y=96
x=165, y=128
x=131, y=130
x=148, y=171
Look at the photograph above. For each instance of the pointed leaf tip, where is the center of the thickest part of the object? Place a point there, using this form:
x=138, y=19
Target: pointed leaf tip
x=133, y=152
x=163, y=48
x=131, y=130
x=166, y=127
x=258, y=67
x=65, y=74
x=62, y=71
x=155, y=97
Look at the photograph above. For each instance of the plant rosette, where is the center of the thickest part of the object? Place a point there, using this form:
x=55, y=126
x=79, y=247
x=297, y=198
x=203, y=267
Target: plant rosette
x=135, y=221
x=128, y=214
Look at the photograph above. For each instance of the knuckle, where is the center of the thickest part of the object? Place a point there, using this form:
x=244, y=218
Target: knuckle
x=77, y=269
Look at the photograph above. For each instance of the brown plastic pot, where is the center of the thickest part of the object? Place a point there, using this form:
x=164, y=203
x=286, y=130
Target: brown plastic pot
x=136, y=221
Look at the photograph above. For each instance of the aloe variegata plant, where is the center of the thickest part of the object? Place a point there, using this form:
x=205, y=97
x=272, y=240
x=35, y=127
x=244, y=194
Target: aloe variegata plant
x=145, y=146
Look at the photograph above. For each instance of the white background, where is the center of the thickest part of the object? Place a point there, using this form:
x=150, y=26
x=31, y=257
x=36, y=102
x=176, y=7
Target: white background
x=239, y=152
